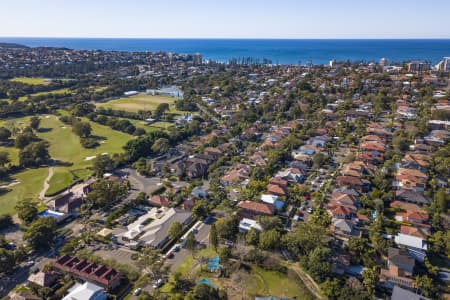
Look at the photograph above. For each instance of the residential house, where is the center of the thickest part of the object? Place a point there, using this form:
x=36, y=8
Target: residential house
x=159, y=201
x=352, y=182
x=251, y=209
x=245, y=225
x=44, y=278
x=292, y=175
x=399, y=293
x=344, y=228
x=400, y=268
x=276, y=190
x=411, y=196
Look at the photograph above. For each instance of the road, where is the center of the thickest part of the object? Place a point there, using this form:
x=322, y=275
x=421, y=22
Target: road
x=202, y=237
x=206, y=112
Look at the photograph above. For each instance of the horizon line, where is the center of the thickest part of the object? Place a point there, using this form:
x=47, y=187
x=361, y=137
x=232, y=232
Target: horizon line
x=229, y=38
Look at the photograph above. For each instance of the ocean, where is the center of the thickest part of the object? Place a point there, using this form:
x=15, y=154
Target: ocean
x=286, y=51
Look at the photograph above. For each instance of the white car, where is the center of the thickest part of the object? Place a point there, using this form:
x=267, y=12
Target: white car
x=158, y=283
x=137, y=291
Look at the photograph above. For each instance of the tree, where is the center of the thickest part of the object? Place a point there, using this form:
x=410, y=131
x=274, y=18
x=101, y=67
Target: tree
x=34, y=154
x=160, y=110
x=227, y=228
x=318, y=263
x=41, y=233
x=191, y=243
x=175, y=230
x=252, y=237
x=440, y=243
x=161, y=145
x=269, y=239
x=150, y=260
x=34, y=122
x=5, y=221
x=213, y=237
x=200, y=209
x=7, y=261
x=26, y=210
x=269, y=222
x=5, y=134
x=26, y=137
x=4, y=158
x=319, y=160
x=102, y=164
x=82, y=129
x=426, y=286
x=105, y=192
x=305, y=238
x=204, y=292
x=370, y=278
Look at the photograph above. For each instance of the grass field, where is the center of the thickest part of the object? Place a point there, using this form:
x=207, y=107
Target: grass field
x=54, y=92
x=140, y=102
x=31, y=80
x=30, y=184
x=64, y=147
x=151, y=127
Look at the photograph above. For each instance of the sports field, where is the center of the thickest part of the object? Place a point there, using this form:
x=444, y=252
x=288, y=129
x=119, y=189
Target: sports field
x=140, y=102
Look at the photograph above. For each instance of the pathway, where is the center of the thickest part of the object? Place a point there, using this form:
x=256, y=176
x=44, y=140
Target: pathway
x=46, y=184
x=310, y=284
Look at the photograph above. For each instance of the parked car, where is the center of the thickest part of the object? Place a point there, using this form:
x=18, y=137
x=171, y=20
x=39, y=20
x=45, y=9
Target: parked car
x=137, y=291
x=177, y=248
x=158, y=283
x=169, y=255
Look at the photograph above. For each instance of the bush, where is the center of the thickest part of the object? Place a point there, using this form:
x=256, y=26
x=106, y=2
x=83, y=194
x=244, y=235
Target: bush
x=5, y=221
x=89, y=143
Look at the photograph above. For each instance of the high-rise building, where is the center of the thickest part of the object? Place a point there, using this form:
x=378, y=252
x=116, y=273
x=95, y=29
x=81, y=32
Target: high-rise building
x=443, y=65
x=197, y=59
x=383, y=62
x=418, y=66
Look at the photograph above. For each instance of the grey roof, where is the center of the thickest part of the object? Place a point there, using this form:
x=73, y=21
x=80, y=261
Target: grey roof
x=400, y=257
x=343, y=225
x=158, y=230
x=412, y=196
x=344, y=190
x=401, y=294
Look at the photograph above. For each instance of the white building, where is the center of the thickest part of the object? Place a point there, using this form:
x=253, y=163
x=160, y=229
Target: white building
x=246, y=224
x=86, y=291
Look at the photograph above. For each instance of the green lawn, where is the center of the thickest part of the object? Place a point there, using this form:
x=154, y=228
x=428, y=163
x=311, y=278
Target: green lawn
x=31, y=183
x=272, y=283
x=150, y=127
x=64, y=147
x=140, y=102
x=48, y=93
x=31, y=80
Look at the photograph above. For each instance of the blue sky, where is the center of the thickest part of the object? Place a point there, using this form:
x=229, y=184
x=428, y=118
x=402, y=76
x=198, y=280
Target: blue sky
x=226, y=18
